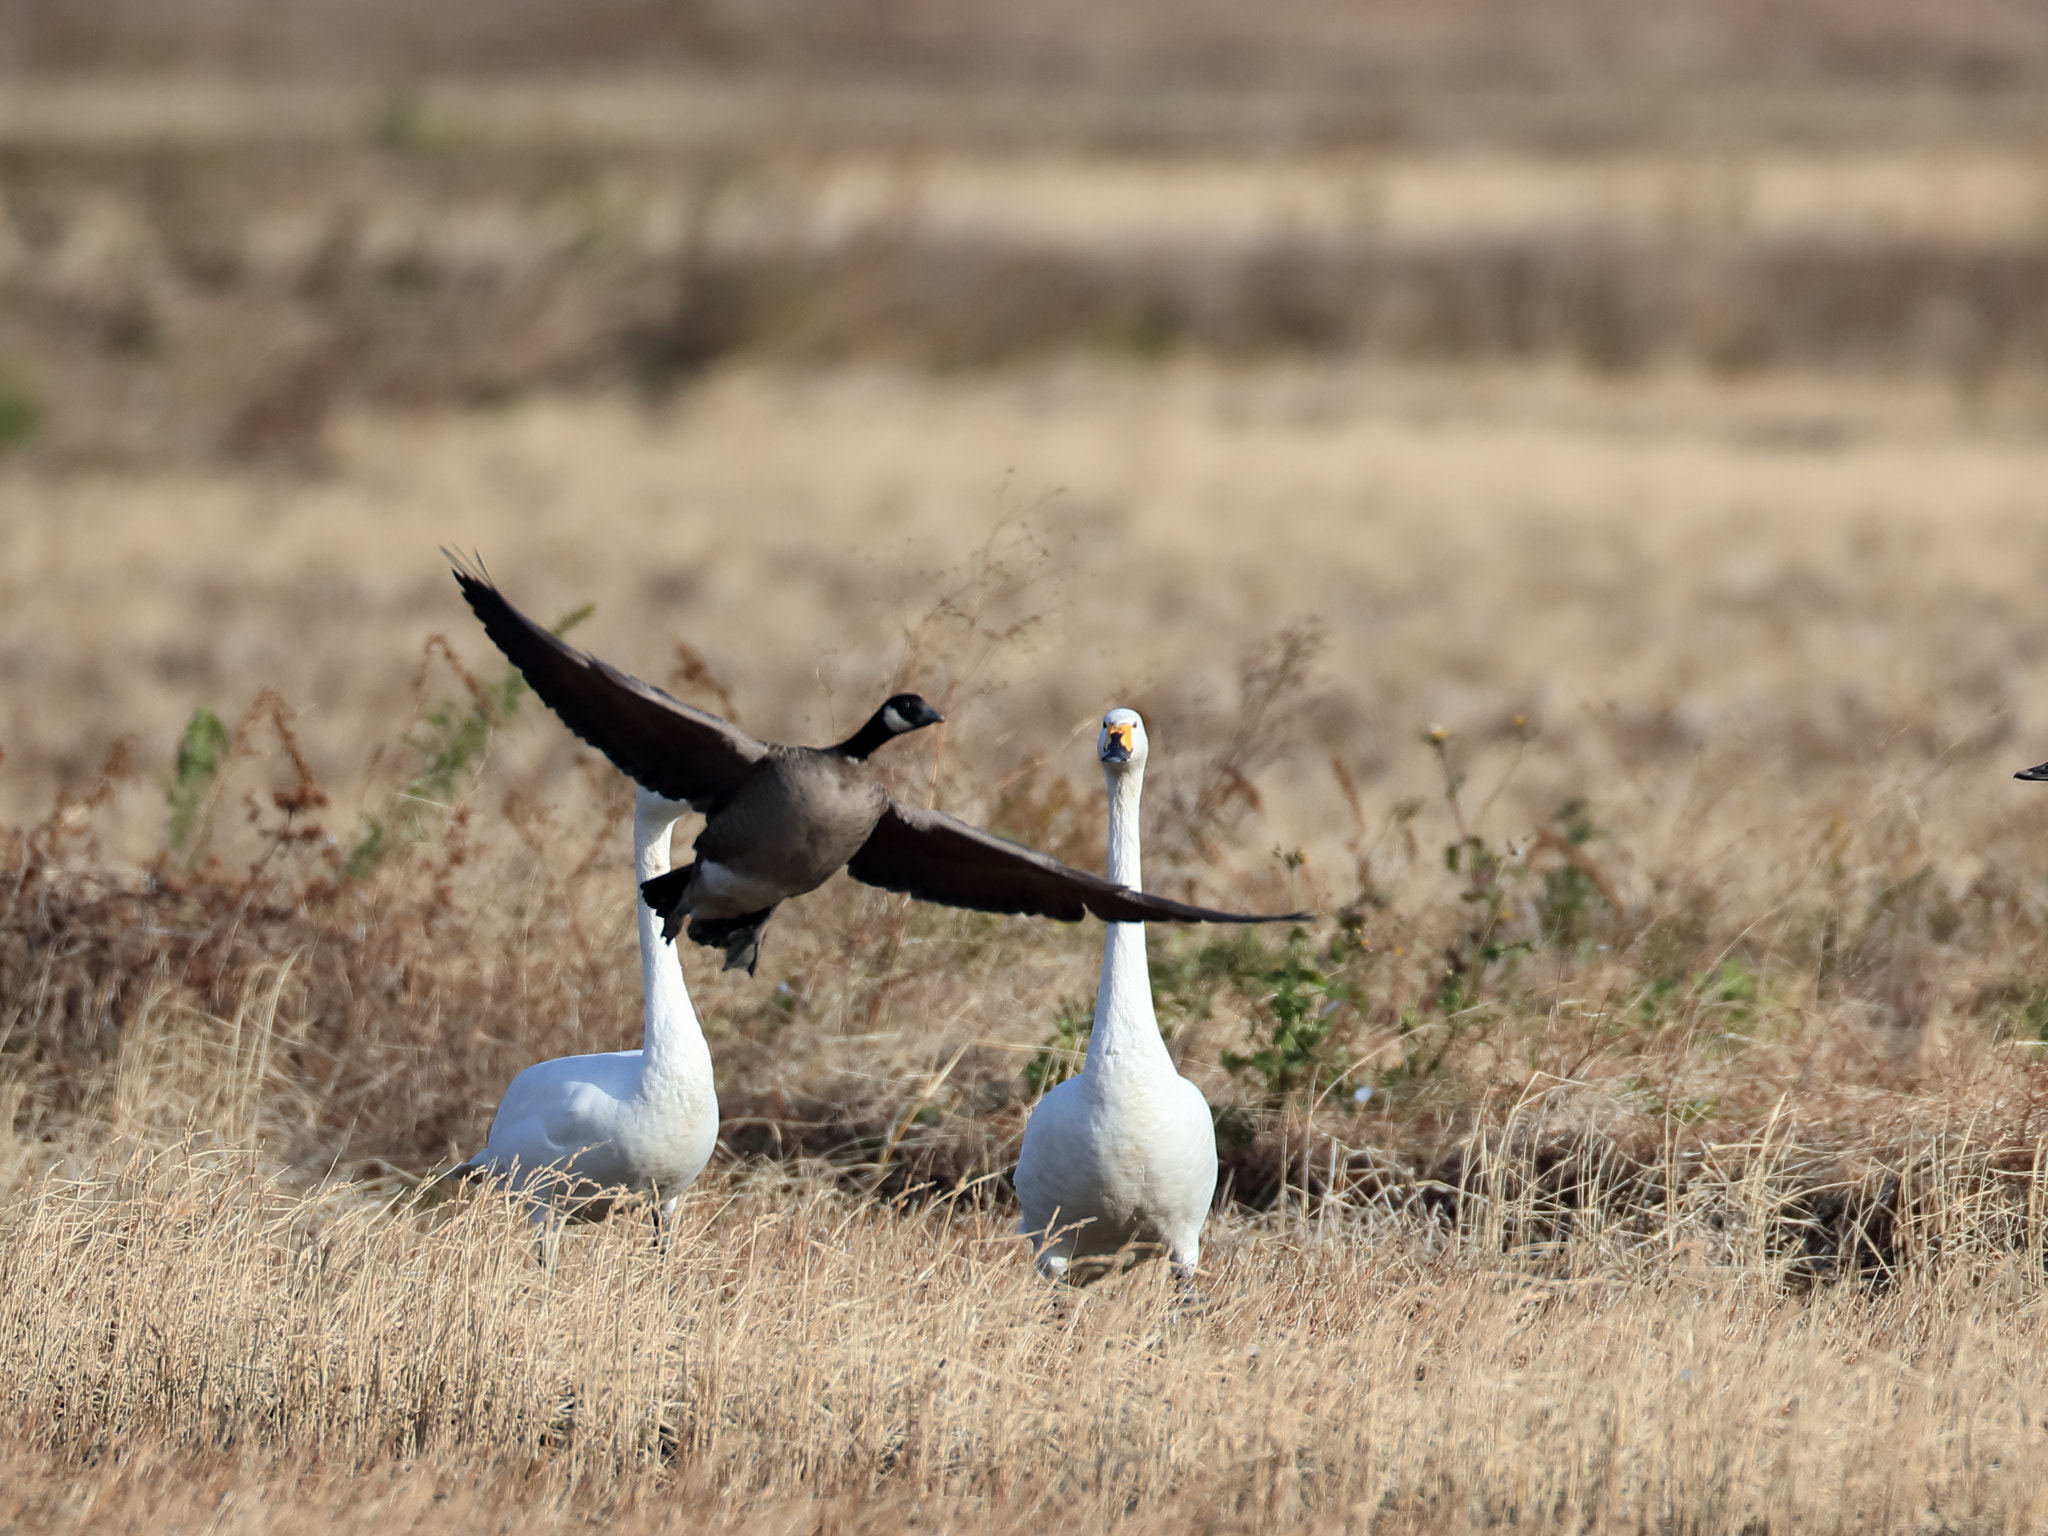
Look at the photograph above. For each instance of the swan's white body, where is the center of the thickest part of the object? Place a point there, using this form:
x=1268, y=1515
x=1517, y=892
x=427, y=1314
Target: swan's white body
x=1120, y=1159
x=570, y=1129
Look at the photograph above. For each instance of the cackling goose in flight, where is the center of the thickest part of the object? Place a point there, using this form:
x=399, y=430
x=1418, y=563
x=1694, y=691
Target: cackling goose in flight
x=780, y=820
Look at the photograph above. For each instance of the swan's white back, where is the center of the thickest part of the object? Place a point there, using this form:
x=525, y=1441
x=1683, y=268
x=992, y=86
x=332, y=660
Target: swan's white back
x=644, y=1120
x=1121, y=1157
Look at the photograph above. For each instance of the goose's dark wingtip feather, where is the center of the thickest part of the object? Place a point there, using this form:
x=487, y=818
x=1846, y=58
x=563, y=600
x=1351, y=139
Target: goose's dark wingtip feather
x=1162, y=910
x=469, y=569
x=679, y=752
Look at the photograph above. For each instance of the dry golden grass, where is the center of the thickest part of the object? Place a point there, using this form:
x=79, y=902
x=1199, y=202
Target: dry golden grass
x=807, y=1360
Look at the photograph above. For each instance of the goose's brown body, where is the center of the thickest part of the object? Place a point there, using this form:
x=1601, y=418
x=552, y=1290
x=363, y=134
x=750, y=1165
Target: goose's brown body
x=795, y=822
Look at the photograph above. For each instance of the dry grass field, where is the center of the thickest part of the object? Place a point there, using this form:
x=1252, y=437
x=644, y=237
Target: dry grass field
x=1594, y=567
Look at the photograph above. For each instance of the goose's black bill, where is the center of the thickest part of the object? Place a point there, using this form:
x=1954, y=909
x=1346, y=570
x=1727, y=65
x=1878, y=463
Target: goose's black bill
x=2038, y=774
x=937, y=858
x=678, y=752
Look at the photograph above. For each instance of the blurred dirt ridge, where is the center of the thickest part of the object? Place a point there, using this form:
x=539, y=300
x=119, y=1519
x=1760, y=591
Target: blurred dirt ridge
x=173, y=305
x=1984, y=41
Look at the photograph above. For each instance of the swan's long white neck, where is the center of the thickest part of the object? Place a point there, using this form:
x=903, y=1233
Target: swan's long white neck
x=672, y=1041
x=1126, y=1032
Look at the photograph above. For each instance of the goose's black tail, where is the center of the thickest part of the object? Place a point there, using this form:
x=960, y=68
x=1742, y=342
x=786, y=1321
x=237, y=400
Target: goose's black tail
x=739, y=937
x=665, y=893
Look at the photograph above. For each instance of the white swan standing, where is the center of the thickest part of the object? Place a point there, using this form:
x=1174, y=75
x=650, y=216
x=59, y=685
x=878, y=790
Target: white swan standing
x=1119, y=1160
x=643, y=1120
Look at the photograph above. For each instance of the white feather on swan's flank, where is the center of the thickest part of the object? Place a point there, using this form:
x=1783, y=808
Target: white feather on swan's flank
x=1121, y=1158
x=645, y=1120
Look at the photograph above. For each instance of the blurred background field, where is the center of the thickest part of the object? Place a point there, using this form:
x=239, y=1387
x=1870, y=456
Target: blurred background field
x=1562, y=481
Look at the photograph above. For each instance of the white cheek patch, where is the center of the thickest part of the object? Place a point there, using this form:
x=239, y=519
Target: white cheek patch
x=894, y=721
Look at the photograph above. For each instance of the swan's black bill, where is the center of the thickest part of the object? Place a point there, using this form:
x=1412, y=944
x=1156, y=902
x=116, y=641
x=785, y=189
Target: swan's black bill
x=2038, y=774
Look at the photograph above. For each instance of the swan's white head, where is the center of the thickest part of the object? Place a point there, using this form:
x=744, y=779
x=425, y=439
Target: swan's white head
x=1122, y=745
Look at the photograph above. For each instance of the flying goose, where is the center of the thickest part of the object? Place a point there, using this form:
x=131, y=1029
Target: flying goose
x=779, y=821
x=644, y=1120
x=1119, y=1161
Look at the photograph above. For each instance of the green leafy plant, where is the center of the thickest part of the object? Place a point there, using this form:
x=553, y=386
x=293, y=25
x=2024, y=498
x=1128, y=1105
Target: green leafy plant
x=1730, y=985
x=401, y=124
x=1184, y=979
x=1653, y=1101
x=1301, y=1000
x=1234, y=1124
x=1424, y=1045
x=1304, y=1001
x=202, y=752
x=1055, y=1062
x=2026, y=1015
x=20, y=413
x=1657, y=996
x=1480, y=941
x=1572, y=899
x=447, y=743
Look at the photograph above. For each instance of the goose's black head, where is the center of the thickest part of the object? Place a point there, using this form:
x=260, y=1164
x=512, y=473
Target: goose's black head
x=899, y=715
x=2034, y=775
x=906, y=712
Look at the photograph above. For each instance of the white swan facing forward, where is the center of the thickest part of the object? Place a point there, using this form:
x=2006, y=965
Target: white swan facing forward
x=1119, y=1161
x=569, y=1131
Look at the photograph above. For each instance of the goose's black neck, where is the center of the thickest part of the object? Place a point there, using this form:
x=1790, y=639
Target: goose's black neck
x=867, y=738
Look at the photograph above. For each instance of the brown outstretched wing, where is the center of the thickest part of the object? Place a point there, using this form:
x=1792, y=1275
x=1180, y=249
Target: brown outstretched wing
x=657, y=741
x=936, y=857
